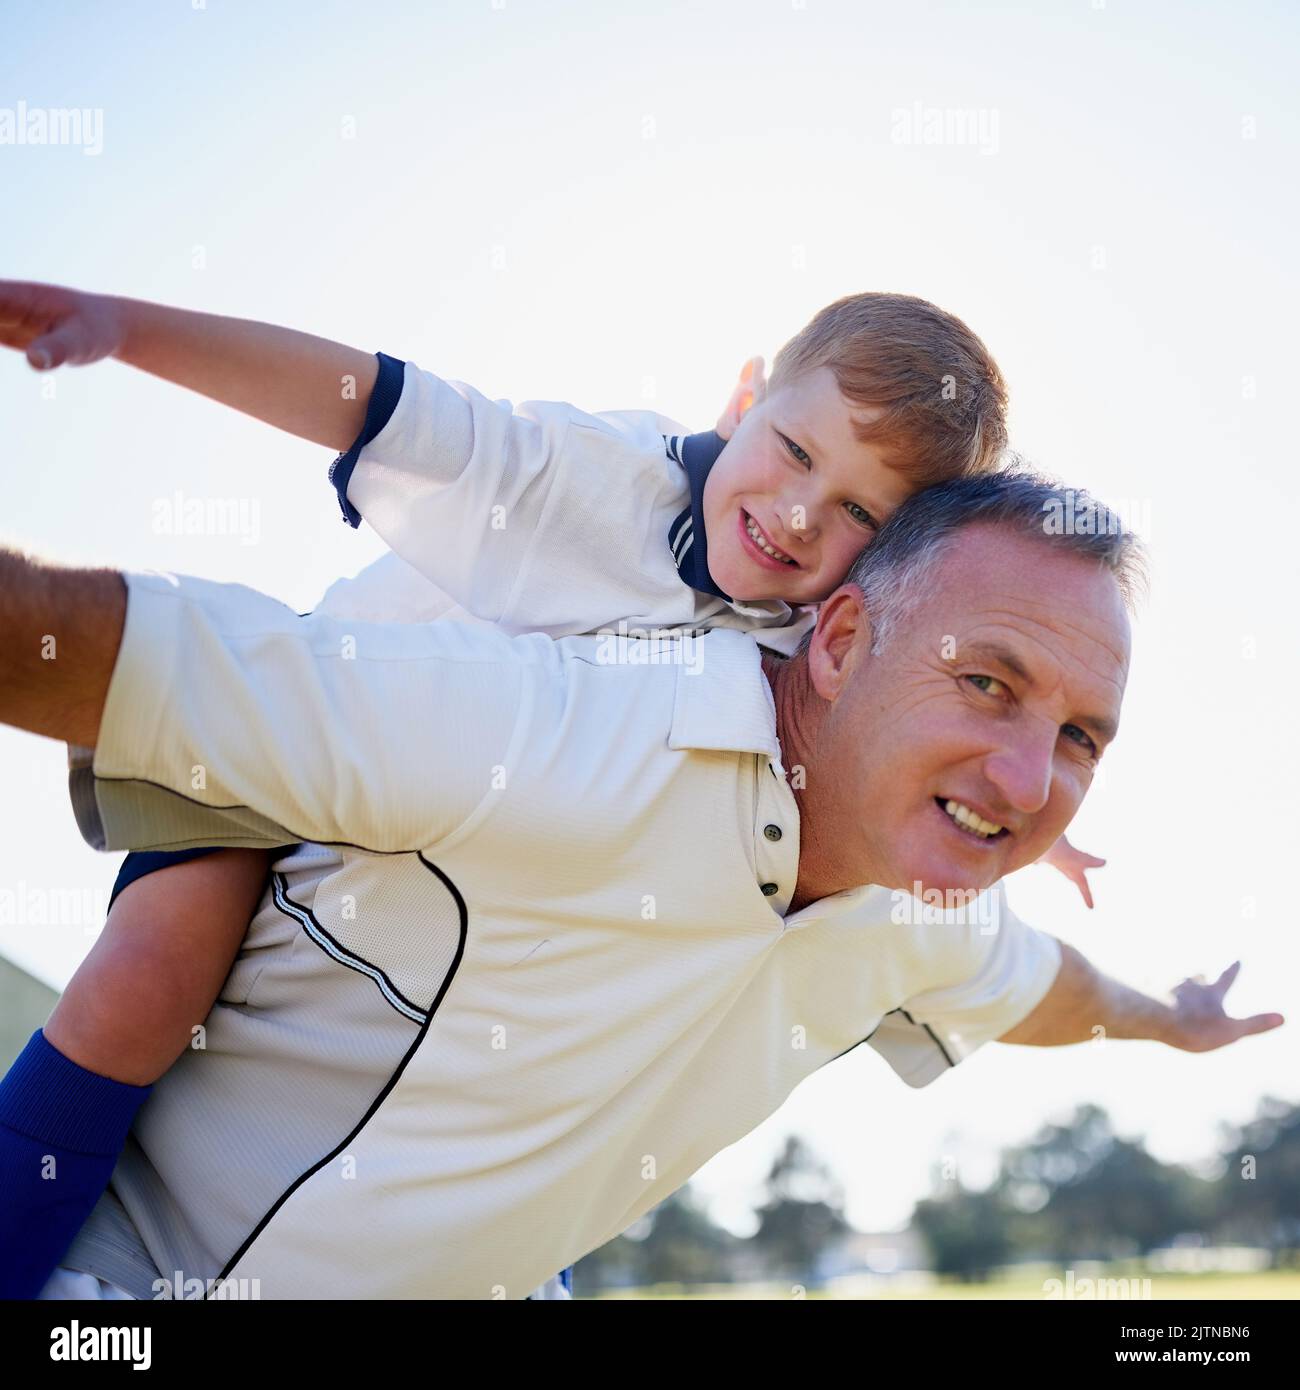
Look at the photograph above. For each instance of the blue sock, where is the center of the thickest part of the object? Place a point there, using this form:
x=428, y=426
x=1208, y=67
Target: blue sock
x=61, y=1131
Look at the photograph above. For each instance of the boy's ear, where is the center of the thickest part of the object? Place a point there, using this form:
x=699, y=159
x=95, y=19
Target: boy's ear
x=750, y=388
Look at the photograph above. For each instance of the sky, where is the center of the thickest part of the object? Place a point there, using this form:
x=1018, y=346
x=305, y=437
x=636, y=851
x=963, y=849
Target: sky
x=616, y=206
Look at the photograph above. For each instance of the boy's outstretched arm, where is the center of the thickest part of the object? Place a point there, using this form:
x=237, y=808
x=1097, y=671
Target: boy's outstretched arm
x=309, y=386
x=219, y=716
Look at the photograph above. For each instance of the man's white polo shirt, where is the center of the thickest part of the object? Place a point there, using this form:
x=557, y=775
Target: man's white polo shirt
x=571, y=985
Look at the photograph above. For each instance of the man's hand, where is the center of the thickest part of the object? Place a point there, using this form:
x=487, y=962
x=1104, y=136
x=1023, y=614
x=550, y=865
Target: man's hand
x=1083, y=1004
x=1199, y=1023
x=58, y=327
x=1074, y=864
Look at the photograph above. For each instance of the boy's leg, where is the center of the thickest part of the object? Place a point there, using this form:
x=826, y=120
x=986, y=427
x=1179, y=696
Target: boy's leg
x=158, y=965
x=68, y=1101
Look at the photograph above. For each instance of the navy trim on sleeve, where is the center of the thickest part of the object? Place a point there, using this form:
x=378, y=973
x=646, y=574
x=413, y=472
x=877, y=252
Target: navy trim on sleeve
x=383, y=401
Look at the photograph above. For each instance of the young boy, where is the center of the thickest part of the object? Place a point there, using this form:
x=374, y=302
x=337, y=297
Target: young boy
x=540, y=518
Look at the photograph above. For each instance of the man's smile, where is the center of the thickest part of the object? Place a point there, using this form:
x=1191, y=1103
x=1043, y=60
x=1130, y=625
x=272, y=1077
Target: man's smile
x=970, y=823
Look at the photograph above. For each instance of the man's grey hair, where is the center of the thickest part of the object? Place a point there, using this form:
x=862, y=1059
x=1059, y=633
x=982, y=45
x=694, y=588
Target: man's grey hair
x=891, y=571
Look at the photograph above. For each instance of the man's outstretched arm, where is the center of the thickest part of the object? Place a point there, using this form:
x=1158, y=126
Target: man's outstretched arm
x=60, y=629
x=1083, y=1001
x=218, y=716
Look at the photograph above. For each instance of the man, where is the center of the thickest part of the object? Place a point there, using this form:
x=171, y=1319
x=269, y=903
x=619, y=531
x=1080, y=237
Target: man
x=625, y=915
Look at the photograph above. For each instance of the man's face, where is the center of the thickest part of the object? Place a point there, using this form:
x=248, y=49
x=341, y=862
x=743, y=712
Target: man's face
x=995, y=696
x=795, y=478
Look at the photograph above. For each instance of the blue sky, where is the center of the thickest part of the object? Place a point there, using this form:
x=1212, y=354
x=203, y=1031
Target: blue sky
x=617, y=207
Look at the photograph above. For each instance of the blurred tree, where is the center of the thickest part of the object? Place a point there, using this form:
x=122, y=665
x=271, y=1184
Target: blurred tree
x=1084, y=1193
x=967, y=1233
x=1257, y=1199
x=674, y=1243
x=802, y=1214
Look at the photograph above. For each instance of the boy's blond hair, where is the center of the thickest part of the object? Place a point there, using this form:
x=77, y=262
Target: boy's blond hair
x=943, y=396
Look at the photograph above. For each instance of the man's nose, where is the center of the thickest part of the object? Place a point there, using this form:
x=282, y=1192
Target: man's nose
x=1021, y=769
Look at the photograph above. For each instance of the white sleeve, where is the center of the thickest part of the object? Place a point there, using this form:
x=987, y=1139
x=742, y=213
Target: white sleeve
x=388, y=590
x=995, y=970
x=457, y=485
x=232, y=720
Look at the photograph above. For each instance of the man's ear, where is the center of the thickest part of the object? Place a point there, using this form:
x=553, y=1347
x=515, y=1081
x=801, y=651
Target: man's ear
x=840, y=640
x=750, y=388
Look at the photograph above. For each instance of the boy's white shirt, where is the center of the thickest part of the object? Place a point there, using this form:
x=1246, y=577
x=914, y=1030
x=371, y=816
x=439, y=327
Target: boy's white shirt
x=535, y=518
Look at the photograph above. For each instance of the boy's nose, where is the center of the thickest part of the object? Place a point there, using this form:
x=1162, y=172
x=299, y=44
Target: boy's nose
x=798, y=518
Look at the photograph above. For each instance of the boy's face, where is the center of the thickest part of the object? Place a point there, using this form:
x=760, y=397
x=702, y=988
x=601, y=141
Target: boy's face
x=795, y=477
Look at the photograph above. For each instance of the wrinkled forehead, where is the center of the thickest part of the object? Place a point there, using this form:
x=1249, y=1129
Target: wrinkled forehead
x=1052, y=604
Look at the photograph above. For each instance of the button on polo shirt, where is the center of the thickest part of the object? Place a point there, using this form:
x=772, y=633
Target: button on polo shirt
x=527, y=966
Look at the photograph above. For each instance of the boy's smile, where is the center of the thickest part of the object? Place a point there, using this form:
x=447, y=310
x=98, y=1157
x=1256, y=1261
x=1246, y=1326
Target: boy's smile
x=796, y=494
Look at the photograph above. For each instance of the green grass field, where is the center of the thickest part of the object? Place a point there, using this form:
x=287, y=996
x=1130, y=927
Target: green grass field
x=1017, y=1285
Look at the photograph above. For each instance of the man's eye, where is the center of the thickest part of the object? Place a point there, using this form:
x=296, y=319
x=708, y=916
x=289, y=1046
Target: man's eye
x=987, y=688
x=797, y=451
x=861, y=515
x=1076, y=735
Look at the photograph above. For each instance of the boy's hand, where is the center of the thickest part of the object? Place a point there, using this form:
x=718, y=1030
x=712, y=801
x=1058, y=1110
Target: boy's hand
x=749, y=388
x=58, y=327
x=306, y=385
x=1074, y=864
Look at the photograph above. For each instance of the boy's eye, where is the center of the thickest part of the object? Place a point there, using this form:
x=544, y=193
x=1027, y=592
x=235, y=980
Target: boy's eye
x=861, y=515
x=1076, y=735
x=796, y=451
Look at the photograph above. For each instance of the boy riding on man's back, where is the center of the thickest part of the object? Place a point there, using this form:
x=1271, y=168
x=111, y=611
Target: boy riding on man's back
x=539, y=517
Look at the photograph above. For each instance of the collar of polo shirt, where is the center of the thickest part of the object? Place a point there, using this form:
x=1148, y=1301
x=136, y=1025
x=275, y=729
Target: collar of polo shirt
x=697, y=453
x=726, y=705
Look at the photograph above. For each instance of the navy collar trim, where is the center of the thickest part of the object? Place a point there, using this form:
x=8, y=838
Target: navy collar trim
x=697, y=453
